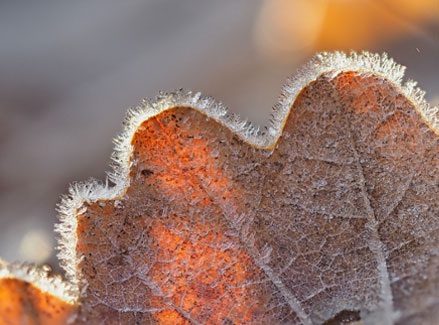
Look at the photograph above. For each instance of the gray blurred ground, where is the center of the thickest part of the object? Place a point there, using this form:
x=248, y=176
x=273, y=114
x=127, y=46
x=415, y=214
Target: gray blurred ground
x=69, y=71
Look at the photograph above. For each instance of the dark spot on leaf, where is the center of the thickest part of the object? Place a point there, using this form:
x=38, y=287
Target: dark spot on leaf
x=344, y=317
x=146, y=172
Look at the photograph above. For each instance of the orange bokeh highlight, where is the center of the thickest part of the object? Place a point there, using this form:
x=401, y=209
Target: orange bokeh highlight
x=288, y=30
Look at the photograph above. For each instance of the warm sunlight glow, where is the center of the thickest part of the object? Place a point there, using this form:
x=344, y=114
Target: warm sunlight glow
x=199, y=270
x=24, y=303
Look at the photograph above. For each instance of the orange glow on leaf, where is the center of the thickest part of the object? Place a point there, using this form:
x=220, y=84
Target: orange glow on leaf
x=23, y=303
x=328, y=215
x=182, y=170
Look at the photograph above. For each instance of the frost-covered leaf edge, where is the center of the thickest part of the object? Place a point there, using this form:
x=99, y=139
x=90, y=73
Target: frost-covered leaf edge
x=93, y=190
x=41, y=278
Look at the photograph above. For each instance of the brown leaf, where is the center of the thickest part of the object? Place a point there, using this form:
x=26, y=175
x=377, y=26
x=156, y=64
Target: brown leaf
x=330, y=214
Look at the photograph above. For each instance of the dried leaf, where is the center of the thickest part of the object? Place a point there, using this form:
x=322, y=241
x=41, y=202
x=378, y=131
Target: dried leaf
x=328, y=215
x=30, y=296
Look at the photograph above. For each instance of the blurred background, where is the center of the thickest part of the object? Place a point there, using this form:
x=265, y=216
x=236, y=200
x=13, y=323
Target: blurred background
x=70, y=69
